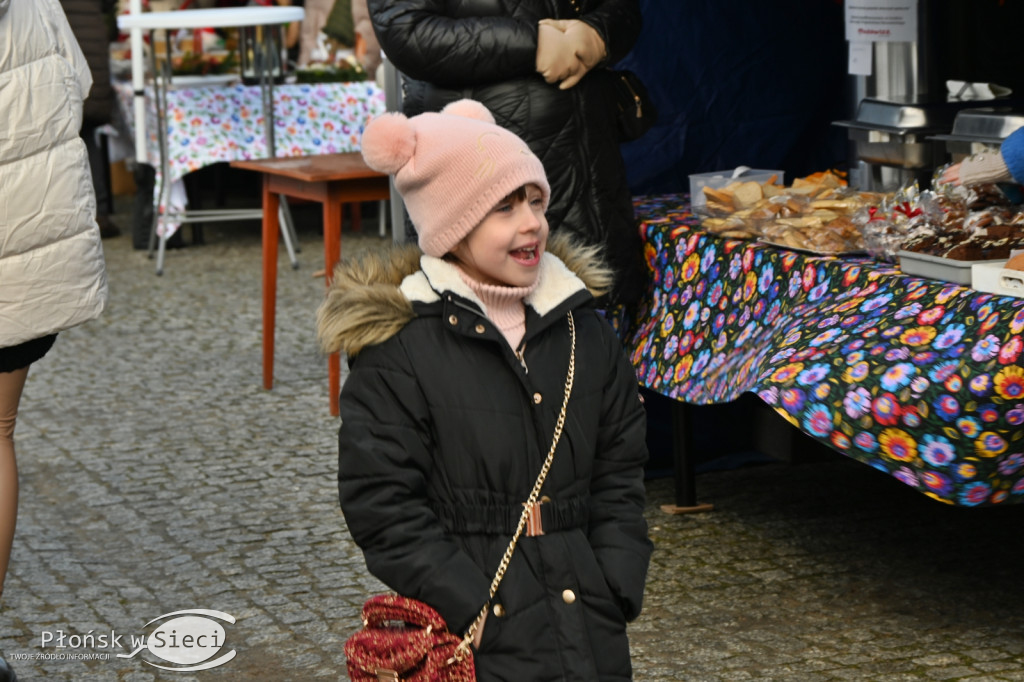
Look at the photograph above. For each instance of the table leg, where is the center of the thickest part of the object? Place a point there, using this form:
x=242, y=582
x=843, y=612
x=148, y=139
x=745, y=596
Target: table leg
x=682, y=455
x=332, y=252
x=356, y=209
x=271, y=229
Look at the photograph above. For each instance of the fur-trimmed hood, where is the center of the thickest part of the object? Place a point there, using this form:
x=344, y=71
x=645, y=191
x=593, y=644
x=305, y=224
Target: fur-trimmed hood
x=372, y=295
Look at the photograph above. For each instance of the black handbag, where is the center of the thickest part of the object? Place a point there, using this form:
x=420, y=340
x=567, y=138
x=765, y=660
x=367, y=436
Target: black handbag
x=635, y=112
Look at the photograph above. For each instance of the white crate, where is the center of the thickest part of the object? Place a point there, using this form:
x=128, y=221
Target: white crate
x=994, y=278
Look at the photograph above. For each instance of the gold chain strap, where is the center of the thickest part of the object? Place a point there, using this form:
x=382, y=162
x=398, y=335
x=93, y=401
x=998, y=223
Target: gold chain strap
x=463, y=649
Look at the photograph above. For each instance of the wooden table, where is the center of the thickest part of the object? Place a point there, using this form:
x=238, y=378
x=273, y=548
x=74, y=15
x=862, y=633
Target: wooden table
x=333, y=180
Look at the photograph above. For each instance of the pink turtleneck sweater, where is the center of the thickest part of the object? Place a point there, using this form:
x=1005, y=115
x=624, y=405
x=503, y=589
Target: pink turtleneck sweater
x=504, y=307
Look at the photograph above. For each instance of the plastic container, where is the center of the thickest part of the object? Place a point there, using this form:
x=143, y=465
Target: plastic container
x=720, y=179
x=993, y=278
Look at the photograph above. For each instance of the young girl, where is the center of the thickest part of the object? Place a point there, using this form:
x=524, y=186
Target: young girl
x=458, y=364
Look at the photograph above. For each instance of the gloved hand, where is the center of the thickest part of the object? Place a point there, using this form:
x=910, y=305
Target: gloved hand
x=556, y=55
x=587, y=45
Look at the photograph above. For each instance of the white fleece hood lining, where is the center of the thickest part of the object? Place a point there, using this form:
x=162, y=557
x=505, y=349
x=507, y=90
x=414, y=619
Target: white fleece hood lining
x=555, y=283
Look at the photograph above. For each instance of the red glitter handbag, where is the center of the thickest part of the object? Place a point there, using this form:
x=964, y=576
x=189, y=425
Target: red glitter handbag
x=405, y=640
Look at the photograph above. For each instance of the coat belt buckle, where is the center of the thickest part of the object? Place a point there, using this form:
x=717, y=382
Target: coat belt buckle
x=534, y=522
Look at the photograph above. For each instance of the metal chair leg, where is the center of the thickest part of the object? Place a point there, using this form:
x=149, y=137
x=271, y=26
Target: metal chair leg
x=160, y=254
x=284, y=218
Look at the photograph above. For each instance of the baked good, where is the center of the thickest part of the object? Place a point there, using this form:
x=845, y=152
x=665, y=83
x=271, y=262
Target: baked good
x=960, y=245
x=1016, y=263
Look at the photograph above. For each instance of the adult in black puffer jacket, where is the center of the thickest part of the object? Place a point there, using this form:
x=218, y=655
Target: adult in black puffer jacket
x=486, y=50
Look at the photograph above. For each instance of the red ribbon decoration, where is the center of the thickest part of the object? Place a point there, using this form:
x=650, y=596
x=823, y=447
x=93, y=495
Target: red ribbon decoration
x=905, y=209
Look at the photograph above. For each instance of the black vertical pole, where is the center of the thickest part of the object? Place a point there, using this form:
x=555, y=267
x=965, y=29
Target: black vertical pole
x=682, y=458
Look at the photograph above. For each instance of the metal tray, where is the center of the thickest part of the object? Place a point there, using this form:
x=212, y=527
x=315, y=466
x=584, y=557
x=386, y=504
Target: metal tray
x=901, y=117
x=937, y=267
x=987, y=125
x=908, y=150
x=896, y=133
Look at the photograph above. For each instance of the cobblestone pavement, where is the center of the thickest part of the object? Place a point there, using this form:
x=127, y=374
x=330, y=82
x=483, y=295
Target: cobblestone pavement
x=158, y=476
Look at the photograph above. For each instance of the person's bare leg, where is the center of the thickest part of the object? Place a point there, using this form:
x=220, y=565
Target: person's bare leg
x=11, y=385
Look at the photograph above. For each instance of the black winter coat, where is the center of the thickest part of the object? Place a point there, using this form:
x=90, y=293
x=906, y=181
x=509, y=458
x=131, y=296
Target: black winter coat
x=443, y=434
x=486, y=50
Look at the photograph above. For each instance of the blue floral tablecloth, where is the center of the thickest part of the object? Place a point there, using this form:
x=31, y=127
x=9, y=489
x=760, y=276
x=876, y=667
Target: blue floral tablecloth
x=918, y=378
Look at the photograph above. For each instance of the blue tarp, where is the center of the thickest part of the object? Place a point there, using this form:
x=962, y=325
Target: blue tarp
x=739, y=82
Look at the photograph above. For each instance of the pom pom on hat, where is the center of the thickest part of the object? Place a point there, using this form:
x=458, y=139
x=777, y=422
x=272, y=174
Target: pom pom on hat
x=388, y=142
x=451, y=168
x=469, y=108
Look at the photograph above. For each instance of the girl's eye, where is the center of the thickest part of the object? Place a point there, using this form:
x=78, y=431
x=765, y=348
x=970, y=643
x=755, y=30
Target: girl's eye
x=538, y=202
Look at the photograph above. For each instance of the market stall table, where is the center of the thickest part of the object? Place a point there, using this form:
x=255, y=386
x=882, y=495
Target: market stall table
x=207, y=124
x=918, y=378
x=267, y=65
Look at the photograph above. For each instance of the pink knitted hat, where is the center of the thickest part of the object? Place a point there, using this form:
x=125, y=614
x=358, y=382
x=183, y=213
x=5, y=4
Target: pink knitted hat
x=451, y=168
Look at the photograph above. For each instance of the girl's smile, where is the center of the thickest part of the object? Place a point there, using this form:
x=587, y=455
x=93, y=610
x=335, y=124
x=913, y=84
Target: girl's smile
x=527, y=256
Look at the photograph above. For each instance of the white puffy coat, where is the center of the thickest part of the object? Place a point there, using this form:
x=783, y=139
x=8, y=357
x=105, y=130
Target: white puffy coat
x=52, y=274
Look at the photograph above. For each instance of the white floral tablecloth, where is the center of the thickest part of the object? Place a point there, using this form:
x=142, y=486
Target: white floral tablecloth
x=211, y=123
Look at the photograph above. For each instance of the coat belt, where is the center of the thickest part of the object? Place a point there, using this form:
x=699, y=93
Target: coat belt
x=555, y=515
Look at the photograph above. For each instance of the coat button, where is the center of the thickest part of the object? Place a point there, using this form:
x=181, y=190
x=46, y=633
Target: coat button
x=568, y=596
x=537, y=398
x=453, y=320
x=479, y=329
x=499, y=611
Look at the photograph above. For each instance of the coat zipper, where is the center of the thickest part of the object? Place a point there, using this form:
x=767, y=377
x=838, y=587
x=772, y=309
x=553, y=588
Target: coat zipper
x=519, y=353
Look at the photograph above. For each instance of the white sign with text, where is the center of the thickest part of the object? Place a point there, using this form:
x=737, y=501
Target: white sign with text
x=881, y=20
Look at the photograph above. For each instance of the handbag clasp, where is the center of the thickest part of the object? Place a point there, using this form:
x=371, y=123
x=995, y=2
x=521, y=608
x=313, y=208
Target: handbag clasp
x=385, y=675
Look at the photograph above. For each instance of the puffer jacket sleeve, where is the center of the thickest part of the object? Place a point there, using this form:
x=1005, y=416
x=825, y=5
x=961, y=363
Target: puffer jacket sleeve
x=618, y=22
x=384, y=467
x=426, y=44
x=618, y=530
x=1012, y=150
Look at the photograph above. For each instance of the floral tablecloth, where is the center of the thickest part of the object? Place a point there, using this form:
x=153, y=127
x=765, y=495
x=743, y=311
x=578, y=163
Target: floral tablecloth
x=918, y=378
x=207, y=124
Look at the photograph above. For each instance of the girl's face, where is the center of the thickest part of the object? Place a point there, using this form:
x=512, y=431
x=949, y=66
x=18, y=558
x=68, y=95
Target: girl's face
x=505, y=248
